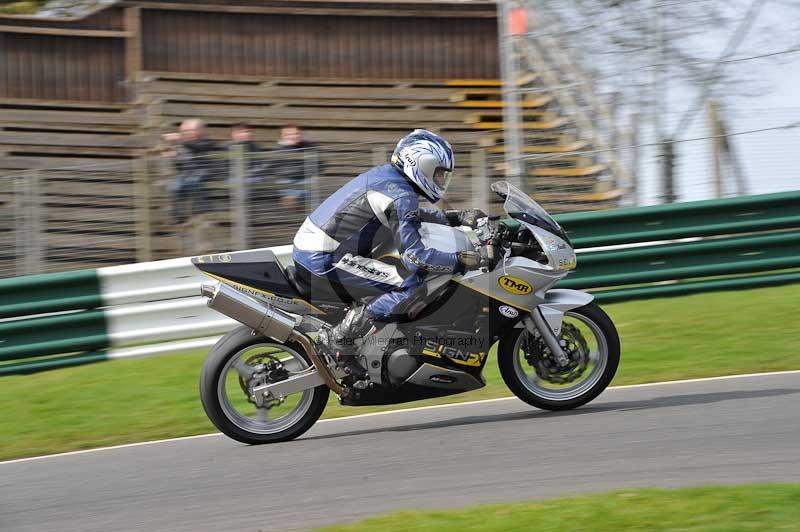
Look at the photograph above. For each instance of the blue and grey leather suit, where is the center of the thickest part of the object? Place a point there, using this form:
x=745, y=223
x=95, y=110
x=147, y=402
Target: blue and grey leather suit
x=336, y=241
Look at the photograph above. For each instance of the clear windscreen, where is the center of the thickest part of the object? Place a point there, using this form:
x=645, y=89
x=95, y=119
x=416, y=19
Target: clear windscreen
x=520, y=206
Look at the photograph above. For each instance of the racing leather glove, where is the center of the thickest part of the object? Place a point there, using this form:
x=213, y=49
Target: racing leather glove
x=468, y=217
x=468, y=261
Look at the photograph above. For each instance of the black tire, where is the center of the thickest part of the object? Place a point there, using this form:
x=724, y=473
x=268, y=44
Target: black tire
x=228, y=346
x=505, y=360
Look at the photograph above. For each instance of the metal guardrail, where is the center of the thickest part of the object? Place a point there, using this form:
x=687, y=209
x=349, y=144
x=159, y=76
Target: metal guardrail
x=743, y=214
x=152, y=308
x=751, y=237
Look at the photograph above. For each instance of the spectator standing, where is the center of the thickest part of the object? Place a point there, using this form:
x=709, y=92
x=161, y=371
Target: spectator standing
x=243, y=145
x=193, y=166
x=289, y=168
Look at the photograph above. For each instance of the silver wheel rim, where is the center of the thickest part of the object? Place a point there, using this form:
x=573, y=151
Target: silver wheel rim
x=598, y=360
x=248, y=416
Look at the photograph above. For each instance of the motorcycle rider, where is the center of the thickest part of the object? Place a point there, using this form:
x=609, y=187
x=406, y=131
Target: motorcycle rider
x=335, y=242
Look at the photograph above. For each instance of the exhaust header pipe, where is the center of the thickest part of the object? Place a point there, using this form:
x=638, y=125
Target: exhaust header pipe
x=261, y=317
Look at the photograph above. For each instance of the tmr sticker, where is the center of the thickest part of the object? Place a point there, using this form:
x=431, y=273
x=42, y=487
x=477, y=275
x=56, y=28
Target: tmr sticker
x=514, y=285
x=508, y=312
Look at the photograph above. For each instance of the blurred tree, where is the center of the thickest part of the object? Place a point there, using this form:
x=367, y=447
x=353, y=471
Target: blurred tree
x=51, y=8
x=21, y=8
x=640, y=44
x=663, y=59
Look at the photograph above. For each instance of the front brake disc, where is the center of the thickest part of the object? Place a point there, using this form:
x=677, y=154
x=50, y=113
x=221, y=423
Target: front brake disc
x=537, y=354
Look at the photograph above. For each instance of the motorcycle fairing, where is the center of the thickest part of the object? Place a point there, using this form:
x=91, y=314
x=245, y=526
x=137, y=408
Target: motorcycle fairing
x=450, y=341
x=518, y=282
x=258, y=274
x=561, y=300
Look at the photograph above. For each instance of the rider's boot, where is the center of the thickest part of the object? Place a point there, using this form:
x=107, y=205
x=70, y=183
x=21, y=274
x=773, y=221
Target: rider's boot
x=356, y=324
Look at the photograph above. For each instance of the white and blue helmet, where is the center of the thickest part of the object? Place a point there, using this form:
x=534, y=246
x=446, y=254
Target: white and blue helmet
x=427, y=160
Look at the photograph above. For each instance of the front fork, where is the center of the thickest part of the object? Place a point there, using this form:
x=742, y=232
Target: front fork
x=536, y=322
x=548, y=316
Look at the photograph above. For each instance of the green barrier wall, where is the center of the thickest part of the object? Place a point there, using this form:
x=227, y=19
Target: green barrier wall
x=723, y=256
x=680, y=220
x=64, y=333
x=52, y=292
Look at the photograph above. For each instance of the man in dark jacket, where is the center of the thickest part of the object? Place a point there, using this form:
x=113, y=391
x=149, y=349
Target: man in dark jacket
x=194, y=165
x=293, y=164
x=242, y=145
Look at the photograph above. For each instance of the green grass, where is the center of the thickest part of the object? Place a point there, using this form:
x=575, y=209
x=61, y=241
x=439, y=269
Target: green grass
x=707, y=509
x=135, y=400
x=21, y=8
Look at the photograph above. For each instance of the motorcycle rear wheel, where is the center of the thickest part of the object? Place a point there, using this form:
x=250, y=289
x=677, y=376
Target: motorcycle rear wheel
x=603, y=359
x=224, y=382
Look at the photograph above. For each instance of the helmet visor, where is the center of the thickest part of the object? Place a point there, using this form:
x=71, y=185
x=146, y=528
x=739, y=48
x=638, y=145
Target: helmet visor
x=441, y=176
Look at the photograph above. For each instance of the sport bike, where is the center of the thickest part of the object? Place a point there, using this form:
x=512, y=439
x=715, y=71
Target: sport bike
x=269, y=379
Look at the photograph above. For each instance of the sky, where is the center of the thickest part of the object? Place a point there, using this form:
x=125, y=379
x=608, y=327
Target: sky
x=765, y=95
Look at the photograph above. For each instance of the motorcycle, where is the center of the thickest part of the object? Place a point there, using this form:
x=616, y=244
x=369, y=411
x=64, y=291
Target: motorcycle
x=269, y=380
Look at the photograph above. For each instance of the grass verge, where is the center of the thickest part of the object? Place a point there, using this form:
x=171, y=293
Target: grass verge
x=136, y=400
x=706, y=509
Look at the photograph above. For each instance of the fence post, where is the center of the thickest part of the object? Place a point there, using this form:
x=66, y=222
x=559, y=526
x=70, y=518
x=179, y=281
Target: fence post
x=142, y=221
x=29, y=240
x=238, y=196
x=613, y=108
x=37, y=255
x=21, y=226
x=716, y=147
x=668, y=170
x=512, y=120
x=479, y=189
x=635, y=157
x=311, y=171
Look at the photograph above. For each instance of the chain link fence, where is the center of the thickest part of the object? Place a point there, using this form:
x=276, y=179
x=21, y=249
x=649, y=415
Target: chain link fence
x=66, y=218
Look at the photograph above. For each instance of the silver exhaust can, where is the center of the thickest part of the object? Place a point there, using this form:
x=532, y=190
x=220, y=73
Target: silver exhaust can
x=261, y=317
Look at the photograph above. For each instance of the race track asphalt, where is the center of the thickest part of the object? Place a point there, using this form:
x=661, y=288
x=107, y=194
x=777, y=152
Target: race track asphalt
x=719, y=431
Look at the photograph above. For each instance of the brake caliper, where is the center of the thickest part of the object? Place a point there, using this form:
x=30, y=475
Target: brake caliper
x=266, y=371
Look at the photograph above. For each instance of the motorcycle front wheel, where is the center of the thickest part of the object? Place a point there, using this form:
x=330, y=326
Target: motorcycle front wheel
x=240, y=361
x=591, y=342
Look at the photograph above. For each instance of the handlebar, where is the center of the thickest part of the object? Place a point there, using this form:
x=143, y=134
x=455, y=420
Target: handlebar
x=488, y=254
